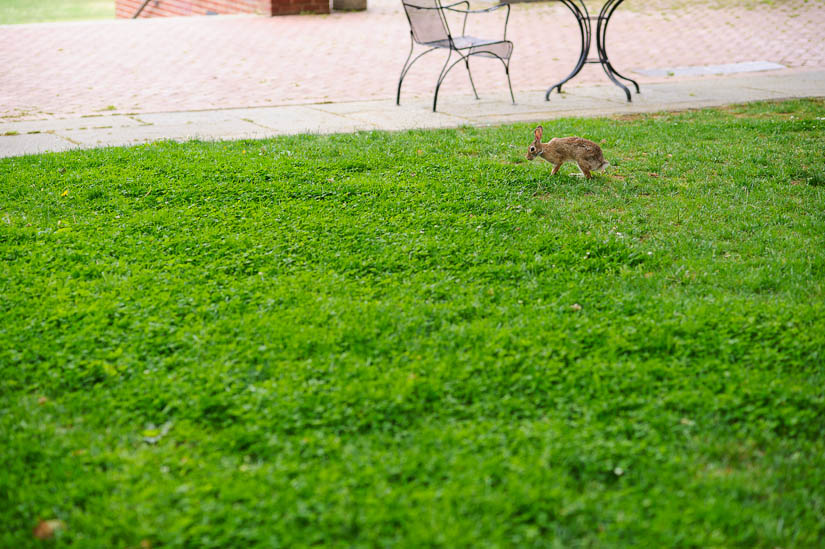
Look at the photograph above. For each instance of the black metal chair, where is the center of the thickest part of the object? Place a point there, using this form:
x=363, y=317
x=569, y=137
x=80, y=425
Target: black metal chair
x=429, y=28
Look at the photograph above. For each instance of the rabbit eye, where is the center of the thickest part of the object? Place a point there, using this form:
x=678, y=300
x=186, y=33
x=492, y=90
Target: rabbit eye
x=532, y=149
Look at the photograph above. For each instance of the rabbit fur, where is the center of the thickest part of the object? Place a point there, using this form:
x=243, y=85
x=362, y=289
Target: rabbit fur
x=559, y=150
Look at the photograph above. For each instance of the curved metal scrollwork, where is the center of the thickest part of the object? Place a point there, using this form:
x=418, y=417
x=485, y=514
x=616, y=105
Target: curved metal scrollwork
x=584, y=19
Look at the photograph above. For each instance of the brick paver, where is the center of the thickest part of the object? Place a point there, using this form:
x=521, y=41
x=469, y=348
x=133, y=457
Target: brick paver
x=177, y=64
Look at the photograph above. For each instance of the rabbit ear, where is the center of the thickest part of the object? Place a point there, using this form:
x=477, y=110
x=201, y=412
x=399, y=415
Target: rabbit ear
x=538, y=133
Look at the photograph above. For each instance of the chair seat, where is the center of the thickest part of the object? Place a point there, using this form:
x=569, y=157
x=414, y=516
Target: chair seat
x=429, y=28
x=478, y=46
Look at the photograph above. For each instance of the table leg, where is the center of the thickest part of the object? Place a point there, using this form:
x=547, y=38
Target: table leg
x=583, y=19
x=601, y=47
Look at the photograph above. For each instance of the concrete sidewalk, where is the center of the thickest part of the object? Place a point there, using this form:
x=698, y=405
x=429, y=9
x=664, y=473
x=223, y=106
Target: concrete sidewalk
x=36, y=136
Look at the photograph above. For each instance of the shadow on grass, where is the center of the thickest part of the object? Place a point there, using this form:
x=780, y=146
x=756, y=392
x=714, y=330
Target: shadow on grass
x=811, y=177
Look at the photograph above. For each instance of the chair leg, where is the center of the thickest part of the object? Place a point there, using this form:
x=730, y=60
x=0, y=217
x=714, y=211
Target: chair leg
x=467, y=64
x=404, y=70
x=441, y=76
x=509, y=85
x=407, y=66
x=446, y=69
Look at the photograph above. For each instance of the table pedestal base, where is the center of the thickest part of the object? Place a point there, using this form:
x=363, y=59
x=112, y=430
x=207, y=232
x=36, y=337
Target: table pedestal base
x=584, y=19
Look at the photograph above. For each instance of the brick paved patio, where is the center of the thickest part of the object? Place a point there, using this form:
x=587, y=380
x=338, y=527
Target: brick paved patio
x=178, y=64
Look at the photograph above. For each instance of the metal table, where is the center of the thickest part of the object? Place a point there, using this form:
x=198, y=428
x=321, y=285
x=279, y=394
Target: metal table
x=585, y=20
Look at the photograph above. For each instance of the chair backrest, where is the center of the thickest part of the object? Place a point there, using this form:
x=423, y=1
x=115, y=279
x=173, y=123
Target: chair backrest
x=427, y=25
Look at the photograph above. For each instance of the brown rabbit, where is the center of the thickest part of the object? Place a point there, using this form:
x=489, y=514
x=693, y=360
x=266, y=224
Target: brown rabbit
x=559, y=150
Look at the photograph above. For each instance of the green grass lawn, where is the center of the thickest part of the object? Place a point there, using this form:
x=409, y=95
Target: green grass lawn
x=42, y=11
x=420, y=339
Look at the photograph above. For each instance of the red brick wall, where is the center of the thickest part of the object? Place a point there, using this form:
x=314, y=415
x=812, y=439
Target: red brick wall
x=166, y=8
x=290, y=7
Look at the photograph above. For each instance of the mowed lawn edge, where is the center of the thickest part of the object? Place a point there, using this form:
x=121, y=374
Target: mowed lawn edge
x=420, y=339
x=14, y=12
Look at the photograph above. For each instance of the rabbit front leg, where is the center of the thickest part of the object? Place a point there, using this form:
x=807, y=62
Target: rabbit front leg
x=584, y=170
x=556, y=168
